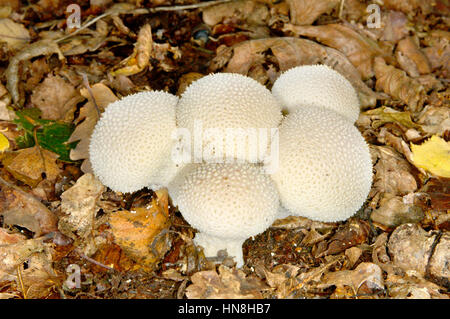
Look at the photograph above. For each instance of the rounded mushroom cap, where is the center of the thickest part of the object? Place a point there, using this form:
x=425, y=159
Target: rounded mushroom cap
x=222, y=101
x=131, y=144
x=316, y=86
x=231, y=201
x=325, y=168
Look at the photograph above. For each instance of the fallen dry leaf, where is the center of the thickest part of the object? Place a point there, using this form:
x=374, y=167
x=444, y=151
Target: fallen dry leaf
x=410, y=248
x=137, y=231
x=79, y=203
x=411, y=58
x=438, y=50
x=290, y=52
x=409, y=6
x=248, y=11
x=359, y=49
x=89, y=117
x=29, y=164
x=400, y=86
x=13, y=33
x=56, y=98
x=412, y=287
x=305, y=12
x=392, y=172
x=367, y=278
x=229, y=283
x=42, y=47
x=20, y=208
x=140, y=58
x=395, y=26
x=353, y=233
x=394, y=212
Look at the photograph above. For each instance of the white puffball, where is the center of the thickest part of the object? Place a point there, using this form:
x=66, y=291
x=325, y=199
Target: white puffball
x=316, y=86
x=131, y=144
x=227, y=203
x=221, y=101
x=325, y=168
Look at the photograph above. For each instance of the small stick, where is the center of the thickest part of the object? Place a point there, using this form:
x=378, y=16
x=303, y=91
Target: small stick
x=95, y=262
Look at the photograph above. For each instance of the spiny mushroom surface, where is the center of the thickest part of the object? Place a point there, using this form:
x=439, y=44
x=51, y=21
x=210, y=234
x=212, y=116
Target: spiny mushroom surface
x=227, y=203
x=131, y=144
x=316, y=86
x=226, y=100
x=325, y=168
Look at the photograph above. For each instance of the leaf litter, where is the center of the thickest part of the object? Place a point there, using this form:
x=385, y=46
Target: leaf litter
x=55, y=215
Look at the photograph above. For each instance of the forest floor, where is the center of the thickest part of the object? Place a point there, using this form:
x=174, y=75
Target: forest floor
x=65, y=235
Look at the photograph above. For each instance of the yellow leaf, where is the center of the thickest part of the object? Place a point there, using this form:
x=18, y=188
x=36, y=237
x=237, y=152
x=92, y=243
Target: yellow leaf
x=433, y=155
x=4, y=143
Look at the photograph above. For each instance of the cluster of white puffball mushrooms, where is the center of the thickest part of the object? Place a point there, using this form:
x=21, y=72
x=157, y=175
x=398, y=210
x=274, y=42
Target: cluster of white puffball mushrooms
x=324, y=166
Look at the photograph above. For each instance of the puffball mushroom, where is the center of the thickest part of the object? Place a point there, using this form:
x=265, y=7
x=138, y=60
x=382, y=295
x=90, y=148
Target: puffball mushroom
x=222, y=101
x=130, y=147
x=316, y=86
x=227, y=203
x=325, y=168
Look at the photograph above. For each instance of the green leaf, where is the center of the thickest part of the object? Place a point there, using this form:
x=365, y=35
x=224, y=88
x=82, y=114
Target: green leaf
x=51, y=135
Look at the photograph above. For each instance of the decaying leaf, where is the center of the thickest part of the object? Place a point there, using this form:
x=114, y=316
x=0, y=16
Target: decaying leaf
x=15, y=34
x=79, y=203
x=137, y=231
x=290, y=52
x=367, y=278
x=55, y=98
x=411, y=59
x=409, y=6
x=359, y=49
x=353, y=233
x=249, y=11
x=396, y=83
x=42, y=47
x=433, y=155
x=392, y=172
x=435, y=120
x=410, y=247
x=13, y=255
x=439, y=266
x=140, y=57
x=28, y=165
x=20, y=208
x=384, y=114
x=438, y=50
x=394, y=212
x=412, y=287
x=227, y=284
x=89, y=117
x=305, y=12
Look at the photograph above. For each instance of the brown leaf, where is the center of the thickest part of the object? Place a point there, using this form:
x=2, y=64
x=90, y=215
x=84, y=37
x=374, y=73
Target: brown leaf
x=359, y=49
x=89, y=117
x=230, y=283
x=249, y=11
x=137, y=231
x=410, y=247
x=7, y=238
x=393, y=212
x=367, y=278
x=353, y=233
x=29, y=164
x=80, y=205
x=439, y=268
x=392, y=172
x=290, y=52
x=409, y=6
x=305, y=12
x=438, y=50
x=13, y=255
x=56, y=98
x=20, y=208
x=412, y=287
x=396, y=83
x=14, y=34
x=411, y=59
x=395, y=26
